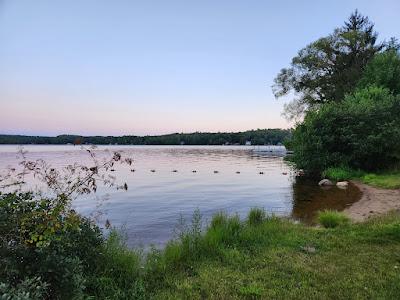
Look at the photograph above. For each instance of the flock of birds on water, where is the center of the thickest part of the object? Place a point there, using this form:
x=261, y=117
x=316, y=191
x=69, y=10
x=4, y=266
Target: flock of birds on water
x=195, y=171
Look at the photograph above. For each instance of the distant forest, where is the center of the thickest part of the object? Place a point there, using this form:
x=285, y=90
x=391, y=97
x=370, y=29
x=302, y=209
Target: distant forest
x=256, y=137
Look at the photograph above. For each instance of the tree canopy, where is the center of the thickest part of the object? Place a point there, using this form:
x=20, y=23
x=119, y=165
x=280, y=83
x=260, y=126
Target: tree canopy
x=328, y=68
x=349, y=92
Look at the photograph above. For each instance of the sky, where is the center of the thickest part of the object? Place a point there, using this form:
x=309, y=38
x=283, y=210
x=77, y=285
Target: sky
x=97, y=67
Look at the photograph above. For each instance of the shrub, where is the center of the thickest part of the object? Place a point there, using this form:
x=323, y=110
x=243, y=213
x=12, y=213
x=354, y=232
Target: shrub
x=362, y=132
x=332, y=219
x=256, y=216
x=29, y=289
x=44, y=238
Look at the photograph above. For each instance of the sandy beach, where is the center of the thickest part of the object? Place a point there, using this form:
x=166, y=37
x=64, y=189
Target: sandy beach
x=374, y=201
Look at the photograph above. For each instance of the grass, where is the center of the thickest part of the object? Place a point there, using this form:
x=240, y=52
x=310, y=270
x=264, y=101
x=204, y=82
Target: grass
x=264, y=257
x=342, y=173
x=332, y=218
x=386, y=180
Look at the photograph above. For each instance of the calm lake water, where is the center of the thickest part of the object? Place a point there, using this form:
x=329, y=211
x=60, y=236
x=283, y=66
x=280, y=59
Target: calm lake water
x=149, y=211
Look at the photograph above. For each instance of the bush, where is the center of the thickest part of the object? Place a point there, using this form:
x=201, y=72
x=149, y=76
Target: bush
x=44, y=238
x=256, y=216
x=362, y=132
x=29, y=289
x=332, y=218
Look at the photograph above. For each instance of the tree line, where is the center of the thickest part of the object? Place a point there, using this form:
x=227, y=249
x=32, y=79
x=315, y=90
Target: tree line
x=255, y=137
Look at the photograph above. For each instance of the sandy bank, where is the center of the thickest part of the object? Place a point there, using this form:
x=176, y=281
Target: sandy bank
x=374, y=201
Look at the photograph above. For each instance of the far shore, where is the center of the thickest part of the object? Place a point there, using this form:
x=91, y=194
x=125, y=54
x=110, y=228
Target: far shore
x=374, y=202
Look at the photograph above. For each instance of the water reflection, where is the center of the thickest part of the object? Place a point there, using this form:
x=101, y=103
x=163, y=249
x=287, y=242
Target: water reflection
x=149, y=210
x=309, y=198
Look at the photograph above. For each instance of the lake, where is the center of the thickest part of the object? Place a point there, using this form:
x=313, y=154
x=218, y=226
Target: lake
x=150, y=209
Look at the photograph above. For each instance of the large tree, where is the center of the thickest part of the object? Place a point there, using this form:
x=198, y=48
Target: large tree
x=329, y=68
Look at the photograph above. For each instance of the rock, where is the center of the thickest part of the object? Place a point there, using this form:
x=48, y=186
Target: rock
x=308, y=249
x=342, y=184
x=325, y=182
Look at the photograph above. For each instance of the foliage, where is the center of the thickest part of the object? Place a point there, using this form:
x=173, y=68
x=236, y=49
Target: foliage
x=329, y=68
x=43, y=238
x=257, y=137
x=332, y=218
x=385, y=180
x=28, y=289
x=384, y=71
x=363, y=132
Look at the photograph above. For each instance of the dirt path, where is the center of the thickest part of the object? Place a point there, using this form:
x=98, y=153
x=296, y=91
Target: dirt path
x=374, y=201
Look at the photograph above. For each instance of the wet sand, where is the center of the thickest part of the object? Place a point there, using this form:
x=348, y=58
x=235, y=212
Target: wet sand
x=374, y=202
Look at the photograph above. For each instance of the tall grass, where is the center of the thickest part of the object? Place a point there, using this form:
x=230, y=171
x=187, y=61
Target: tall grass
x=332, y=218
x=256, y=216
x=118, y=273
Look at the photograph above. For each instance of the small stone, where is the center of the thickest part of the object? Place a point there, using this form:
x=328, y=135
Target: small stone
x=325, y=182
x=309, y=249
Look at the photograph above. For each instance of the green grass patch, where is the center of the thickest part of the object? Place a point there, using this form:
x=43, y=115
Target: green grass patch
x=342, y=173
x=273, y=260
x=332, y=218
x=386, y=181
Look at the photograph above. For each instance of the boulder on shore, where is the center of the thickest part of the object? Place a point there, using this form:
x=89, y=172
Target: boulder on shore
x=325, y=182
x=342, y=184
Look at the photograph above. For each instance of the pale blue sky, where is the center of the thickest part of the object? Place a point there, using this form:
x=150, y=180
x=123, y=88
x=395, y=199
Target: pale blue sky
x=149, y=67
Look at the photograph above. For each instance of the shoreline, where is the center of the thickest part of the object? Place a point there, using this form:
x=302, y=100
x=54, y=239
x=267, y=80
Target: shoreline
x=374, y=202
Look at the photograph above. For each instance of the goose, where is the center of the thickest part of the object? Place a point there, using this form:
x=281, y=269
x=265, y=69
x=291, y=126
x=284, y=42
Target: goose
x=215, y=172
x=153, y=171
